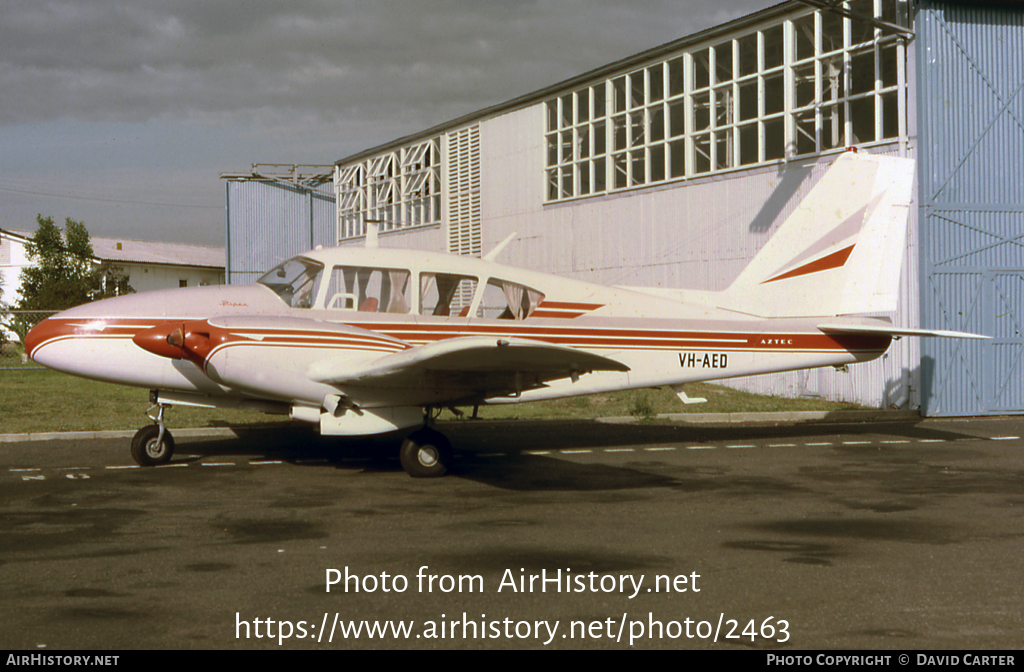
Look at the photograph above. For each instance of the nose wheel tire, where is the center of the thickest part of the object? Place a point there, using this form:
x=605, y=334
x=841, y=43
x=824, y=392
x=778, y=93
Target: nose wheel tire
x=147, y=452
x=426, y=453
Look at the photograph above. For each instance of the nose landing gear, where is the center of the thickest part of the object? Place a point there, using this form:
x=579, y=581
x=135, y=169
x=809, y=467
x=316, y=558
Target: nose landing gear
x=153, y=444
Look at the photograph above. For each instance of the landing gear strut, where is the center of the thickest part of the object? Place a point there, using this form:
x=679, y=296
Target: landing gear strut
x=153, y=444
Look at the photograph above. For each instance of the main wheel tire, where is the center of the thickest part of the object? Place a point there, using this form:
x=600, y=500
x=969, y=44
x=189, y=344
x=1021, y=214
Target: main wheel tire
x=145, y=450
x=426, y=454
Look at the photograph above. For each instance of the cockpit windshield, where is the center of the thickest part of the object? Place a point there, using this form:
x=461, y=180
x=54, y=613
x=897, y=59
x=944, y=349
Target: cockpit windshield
x=296, y=281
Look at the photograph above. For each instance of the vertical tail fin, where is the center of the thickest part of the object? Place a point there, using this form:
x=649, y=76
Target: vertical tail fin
x=840, y=251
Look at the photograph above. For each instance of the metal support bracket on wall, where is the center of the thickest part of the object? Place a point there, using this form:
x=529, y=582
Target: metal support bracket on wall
x=837, y=7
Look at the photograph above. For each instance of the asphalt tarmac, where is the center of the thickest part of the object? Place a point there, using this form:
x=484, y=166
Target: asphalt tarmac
x=883, y=536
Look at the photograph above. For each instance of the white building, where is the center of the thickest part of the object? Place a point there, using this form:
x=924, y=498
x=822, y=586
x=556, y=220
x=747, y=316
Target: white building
x=147, y=265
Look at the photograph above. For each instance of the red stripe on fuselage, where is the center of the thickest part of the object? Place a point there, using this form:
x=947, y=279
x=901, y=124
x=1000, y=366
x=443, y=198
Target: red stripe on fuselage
x=54, y=329
x=556, y=315
x=568, y=305
x=613, y=337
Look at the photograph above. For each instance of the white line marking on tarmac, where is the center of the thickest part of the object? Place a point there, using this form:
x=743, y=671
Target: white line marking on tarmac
x=528, y=452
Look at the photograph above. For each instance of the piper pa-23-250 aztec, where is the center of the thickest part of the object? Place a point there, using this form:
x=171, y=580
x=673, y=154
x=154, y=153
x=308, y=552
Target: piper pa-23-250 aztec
x=370, y=340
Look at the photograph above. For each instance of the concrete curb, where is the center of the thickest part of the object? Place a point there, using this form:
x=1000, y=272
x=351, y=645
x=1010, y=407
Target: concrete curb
x=113, y=434
x=774, y=418
x=684, y=418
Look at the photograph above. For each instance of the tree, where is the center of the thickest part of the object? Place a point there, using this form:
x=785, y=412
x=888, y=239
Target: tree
x=112, y=281
x=64, y=272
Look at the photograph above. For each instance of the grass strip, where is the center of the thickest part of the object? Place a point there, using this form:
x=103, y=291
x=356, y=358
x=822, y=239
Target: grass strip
x=39, y=400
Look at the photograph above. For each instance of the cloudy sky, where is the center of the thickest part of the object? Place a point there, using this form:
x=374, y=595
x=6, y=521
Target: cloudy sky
x=123, y=113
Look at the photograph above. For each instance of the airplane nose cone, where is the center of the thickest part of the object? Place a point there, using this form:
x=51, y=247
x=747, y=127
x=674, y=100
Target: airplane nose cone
x=35, y=336
x=46, y=330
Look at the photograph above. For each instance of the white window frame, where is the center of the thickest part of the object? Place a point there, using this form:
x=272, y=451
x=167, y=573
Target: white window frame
x=399, y=189
x=636, y=154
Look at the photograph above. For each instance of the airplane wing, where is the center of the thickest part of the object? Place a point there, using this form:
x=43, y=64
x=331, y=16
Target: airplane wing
x=463, y=369
x=885, y=329
x=365, y=367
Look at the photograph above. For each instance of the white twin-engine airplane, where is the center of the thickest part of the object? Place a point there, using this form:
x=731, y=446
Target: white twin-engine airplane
x=370, y=340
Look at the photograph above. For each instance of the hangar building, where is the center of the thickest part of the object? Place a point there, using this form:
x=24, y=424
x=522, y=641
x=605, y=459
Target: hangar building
x=274, y=212
x=673, y=167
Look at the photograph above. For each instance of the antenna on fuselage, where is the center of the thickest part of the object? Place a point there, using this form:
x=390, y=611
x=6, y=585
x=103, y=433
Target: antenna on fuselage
x=372, y=229
x=493, y=254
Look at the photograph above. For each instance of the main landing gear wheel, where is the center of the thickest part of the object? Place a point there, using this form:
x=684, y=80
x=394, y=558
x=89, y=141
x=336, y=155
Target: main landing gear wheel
x=150, y=449
x=426, y=453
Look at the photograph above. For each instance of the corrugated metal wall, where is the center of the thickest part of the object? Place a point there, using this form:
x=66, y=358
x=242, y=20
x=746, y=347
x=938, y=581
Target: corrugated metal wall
x=970, y=77
x=665, y=237
x=268, y=222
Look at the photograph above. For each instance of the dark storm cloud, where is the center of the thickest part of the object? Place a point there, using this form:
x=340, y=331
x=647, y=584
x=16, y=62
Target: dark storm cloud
x=313, y=61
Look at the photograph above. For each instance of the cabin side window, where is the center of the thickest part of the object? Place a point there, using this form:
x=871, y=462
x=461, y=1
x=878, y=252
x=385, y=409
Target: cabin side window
x=446, y=294
x=505, y=300
x=368, y=290
x=296, y=281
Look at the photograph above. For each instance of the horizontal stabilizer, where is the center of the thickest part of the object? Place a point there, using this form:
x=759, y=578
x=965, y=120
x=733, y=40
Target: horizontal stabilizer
x=890, y=330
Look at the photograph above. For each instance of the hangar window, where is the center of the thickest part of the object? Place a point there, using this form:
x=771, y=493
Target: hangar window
x=581, y=133
x=399, y=189
x=819, y=81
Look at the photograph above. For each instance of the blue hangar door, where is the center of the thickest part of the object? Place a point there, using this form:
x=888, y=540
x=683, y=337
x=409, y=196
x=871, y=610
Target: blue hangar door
x=970, y=83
